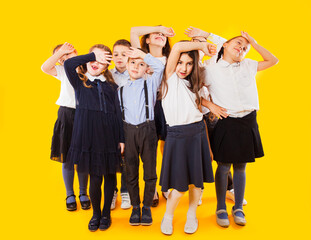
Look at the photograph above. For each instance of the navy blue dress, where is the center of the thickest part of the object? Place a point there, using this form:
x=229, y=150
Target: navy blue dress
x=98, y=127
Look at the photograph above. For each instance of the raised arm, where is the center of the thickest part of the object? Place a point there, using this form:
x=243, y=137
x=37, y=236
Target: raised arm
x=152, y=62
x=71, y=65
x=48, y=66
x=268, y=58
x=136, y=32
x=181, y=47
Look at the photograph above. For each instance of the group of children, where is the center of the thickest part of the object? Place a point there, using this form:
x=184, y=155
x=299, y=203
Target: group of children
x=109, y=118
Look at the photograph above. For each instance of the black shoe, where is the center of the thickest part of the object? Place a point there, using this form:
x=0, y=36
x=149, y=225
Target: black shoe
x=135, y=218
x=155, y=201
x=105, y=223
x=94, y=224
x=146, y=218
x=71, y=206
x=85, y=204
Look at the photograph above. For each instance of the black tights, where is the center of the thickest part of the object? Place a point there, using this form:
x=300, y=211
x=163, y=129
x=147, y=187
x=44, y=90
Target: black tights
x=96, y=193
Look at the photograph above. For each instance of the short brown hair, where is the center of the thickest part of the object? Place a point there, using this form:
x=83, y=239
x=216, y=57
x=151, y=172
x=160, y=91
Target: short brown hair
x=122, y=42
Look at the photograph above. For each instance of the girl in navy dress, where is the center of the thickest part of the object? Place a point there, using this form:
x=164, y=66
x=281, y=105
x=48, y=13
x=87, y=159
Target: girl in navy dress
x=186, y=160
x=64, y=124
x=235, y=139
x=98, y=138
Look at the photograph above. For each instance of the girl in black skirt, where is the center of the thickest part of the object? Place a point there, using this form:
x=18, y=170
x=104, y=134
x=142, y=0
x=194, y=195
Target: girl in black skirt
x=235, y=140
x=64, y=124
x=98, y=138
x=186, y=160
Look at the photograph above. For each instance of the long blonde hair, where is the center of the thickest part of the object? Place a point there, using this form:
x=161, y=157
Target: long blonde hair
x=82, y=69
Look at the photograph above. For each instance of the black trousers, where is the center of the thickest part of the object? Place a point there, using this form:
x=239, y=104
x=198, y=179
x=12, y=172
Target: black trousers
x=96, y=193
x=141, y=140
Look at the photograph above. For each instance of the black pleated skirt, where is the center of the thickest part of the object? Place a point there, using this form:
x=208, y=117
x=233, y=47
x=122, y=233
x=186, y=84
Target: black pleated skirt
x=62, y=134
x=237, y=140
x=186, y=158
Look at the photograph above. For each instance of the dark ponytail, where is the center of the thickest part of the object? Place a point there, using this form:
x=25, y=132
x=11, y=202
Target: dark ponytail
x=220, y=53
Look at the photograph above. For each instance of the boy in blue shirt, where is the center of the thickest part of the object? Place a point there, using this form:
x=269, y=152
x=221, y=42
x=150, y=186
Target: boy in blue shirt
x=137, y=98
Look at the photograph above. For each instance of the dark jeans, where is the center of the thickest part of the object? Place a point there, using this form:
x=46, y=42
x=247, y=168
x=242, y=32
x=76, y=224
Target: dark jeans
x=141, y=140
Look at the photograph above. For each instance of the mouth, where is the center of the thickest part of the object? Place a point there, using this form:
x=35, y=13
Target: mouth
x=238, y=50
x=182, y=74
x=135, y=72
x=119, y=62
x=160, y=38
x=94, y=67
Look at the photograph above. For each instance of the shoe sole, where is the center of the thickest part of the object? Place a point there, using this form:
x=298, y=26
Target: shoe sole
x=126, y=207
x=71, y=210
x=134, y=224
x=146, y=224
x=83, y=208
x=93, y=230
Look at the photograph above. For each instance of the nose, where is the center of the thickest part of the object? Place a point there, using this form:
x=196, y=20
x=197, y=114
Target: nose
x=184, y=68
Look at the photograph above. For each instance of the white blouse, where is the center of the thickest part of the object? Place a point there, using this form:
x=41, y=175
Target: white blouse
x=67, y=93
x=179, y=104
x=233, y=86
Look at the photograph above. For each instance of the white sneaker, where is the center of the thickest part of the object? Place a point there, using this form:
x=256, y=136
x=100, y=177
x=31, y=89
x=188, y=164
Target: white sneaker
x=126, y=201
x=200, y=201
x=191, y=225
x=167, y=225
x=230, y=196
x=114, y=199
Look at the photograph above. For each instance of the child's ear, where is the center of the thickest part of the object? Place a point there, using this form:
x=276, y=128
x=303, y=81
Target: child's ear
x=225, y=45
x=147, y=40
x=149, y=70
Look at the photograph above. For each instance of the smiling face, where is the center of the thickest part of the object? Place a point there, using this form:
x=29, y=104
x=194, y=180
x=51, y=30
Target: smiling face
x=184, y=66
x=236, y=49
x=136, y=68
x=95, y=68
x=119, y=57
x=156, y=39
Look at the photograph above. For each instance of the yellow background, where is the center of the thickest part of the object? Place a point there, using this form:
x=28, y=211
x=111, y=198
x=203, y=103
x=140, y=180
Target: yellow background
x=32, y=191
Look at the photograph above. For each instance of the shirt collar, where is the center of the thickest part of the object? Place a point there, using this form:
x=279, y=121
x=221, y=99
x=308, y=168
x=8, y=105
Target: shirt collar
x=92, y=78
x=114, y=70
x=227, y=64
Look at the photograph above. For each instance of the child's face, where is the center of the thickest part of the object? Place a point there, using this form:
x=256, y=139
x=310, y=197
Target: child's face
x=119, y=56
x=237, y=48
x=156, y=39
x=136, y=68
x=67, y=56
x=184, y=66
x=95, y=68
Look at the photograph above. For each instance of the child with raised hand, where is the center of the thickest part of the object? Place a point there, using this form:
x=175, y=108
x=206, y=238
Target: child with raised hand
x=121, y=76
x=98, y=138
x=64, y=124
x=186, y=160
x=155, y=40
x=198, y=35
x=137, y=99
x=236, y=139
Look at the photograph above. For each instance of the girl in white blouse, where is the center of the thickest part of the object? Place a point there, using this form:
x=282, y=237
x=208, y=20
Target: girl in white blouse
x=236, y=139
x=186, y=160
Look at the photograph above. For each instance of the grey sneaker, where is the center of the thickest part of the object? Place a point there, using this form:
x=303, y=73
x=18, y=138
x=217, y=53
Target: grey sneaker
x=237, y=219
x=223, y=222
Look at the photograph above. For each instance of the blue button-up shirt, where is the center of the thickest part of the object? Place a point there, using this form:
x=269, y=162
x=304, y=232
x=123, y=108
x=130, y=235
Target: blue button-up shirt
x=134, y=95
x=120, y=78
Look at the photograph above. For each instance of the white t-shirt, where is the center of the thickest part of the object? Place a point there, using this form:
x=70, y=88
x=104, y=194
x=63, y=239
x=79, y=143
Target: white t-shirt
x=233, y=86
x=67, y=93
x=179, y=104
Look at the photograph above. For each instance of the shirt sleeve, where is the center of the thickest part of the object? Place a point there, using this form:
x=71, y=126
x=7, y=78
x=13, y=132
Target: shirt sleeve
x=207, y=76
x=219, y=41
x=158, y=68
x=119, y=116
x=60, y=72
x=71, y=64
x=252, y=66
